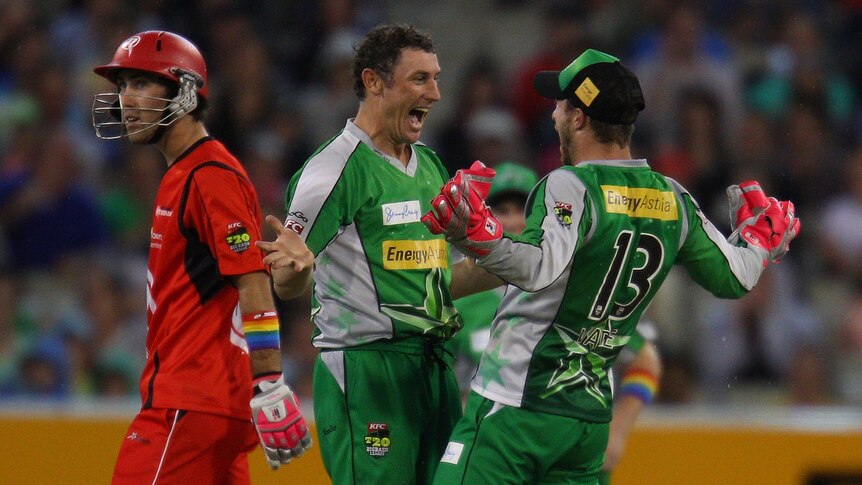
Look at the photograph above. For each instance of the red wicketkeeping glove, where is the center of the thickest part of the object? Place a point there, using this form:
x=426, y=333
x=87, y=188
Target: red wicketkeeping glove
x=760, y=221
x=459, y=212
x=746, y=200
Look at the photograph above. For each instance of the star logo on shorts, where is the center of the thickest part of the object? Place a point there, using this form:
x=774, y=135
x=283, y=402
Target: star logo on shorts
x=134, y=436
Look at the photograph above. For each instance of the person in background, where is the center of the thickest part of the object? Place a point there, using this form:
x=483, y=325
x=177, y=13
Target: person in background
x=641, y=369
x=212, y=383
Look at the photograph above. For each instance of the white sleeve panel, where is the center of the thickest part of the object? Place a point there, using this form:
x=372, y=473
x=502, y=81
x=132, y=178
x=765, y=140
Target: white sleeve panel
x=317, y=181
x=534, y=264
x=745, y=263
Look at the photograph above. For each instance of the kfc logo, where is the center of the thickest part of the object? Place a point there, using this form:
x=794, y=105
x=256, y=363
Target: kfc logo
x=378, y=440
x=563, y=211
x=294, y=226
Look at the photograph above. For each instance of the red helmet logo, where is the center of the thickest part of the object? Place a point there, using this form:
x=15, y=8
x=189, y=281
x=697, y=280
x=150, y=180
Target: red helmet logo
x=161, y=53
x=130, y=44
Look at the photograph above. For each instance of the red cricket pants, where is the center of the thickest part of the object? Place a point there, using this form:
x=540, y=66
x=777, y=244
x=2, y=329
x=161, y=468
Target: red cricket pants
x=166, y=446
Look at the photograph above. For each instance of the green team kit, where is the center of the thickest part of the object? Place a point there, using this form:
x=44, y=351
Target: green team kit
x=477, y=312
x=380, y=305
x=600, y=239
x=572, y=309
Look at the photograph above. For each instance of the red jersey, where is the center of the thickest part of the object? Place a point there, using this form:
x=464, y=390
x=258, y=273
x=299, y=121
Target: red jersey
x=205, y=222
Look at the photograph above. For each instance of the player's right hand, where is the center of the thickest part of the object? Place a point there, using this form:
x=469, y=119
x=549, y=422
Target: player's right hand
x=459, y=211
x=279, y=423
x=762, y=222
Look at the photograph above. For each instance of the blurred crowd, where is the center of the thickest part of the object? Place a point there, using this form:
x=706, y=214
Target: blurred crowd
x=735, y=89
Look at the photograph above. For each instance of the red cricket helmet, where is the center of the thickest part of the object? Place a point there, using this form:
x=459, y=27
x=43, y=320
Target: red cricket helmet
x=161, y=53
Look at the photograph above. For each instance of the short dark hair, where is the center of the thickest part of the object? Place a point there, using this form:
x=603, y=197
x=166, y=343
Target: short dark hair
x=381, y=48
x=607, y=133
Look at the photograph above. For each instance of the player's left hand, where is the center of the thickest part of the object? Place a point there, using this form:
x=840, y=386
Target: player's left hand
x=459, y=211
x=746, y=200
x=288, y=250
x=280, y=426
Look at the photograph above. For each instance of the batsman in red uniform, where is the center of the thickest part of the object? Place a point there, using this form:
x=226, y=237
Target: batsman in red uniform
x=212, y=385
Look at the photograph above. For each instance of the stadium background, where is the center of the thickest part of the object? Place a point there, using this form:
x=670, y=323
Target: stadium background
x=762, y=391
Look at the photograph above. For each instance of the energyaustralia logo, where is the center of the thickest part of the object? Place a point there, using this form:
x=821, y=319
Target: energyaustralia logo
x=409, y=254
x=640, y=202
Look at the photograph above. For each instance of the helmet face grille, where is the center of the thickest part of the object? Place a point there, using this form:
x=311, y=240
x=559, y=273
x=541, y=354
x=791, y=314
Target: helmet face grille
x=107, y=113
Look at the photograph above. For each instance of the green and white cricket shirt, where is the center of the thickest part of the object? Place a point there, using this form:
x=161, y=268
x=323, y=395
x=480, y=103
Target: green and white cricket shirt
x=379, y=273
x=601, y=237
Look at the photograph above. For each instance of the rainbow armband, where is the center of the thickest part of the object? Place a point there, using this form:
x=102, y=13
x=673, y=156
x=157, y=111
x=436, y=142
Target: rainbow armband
x=261, y=330
x=640, y=384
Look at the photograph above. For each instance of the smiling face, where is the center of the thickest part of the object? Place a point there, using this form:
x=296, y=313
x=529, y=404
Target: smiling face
x=409, y=95
x=143, y=101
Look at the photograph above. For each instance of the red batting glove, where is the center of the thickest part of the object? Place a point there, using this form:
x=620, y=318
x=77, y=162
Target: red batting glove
x=280, y=426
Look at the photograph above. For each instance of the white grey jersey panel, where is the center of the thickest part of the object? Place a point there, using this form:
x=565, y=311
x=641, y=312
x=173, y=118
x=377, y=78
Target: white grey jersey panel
x=343, y=284
x=347, y=314
x=537, y=267
x=522, y=322
x=379, y=273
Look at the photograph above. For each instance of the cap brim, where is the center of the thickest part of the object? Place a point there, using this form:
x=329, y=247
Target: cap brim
x=547, y=84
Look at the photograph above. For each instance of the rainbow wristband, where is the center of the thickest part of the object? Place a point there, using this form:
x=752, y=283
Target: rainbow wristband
x=261, y=330
x=639, y=384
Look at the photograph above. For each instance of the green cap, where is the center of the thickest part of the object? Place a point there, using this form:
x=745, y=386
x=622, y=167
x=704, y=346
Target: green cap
x=597, y=83
x=512, y=178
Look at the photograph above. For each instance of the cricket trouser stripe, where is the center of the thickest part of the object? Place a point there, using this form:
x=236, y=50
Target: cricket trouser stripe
x=167, y=443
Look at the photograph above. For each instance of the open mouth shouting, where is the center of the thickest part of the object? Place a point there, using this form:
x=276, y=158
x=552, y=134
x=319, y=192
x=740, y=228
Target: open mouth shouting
x=416, y=117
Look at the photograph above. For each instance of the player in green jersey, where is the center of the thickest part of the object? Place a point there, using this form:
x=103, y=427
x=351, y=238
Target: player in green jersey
x=639, y=366
x=385, y=397
x=602, y=234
